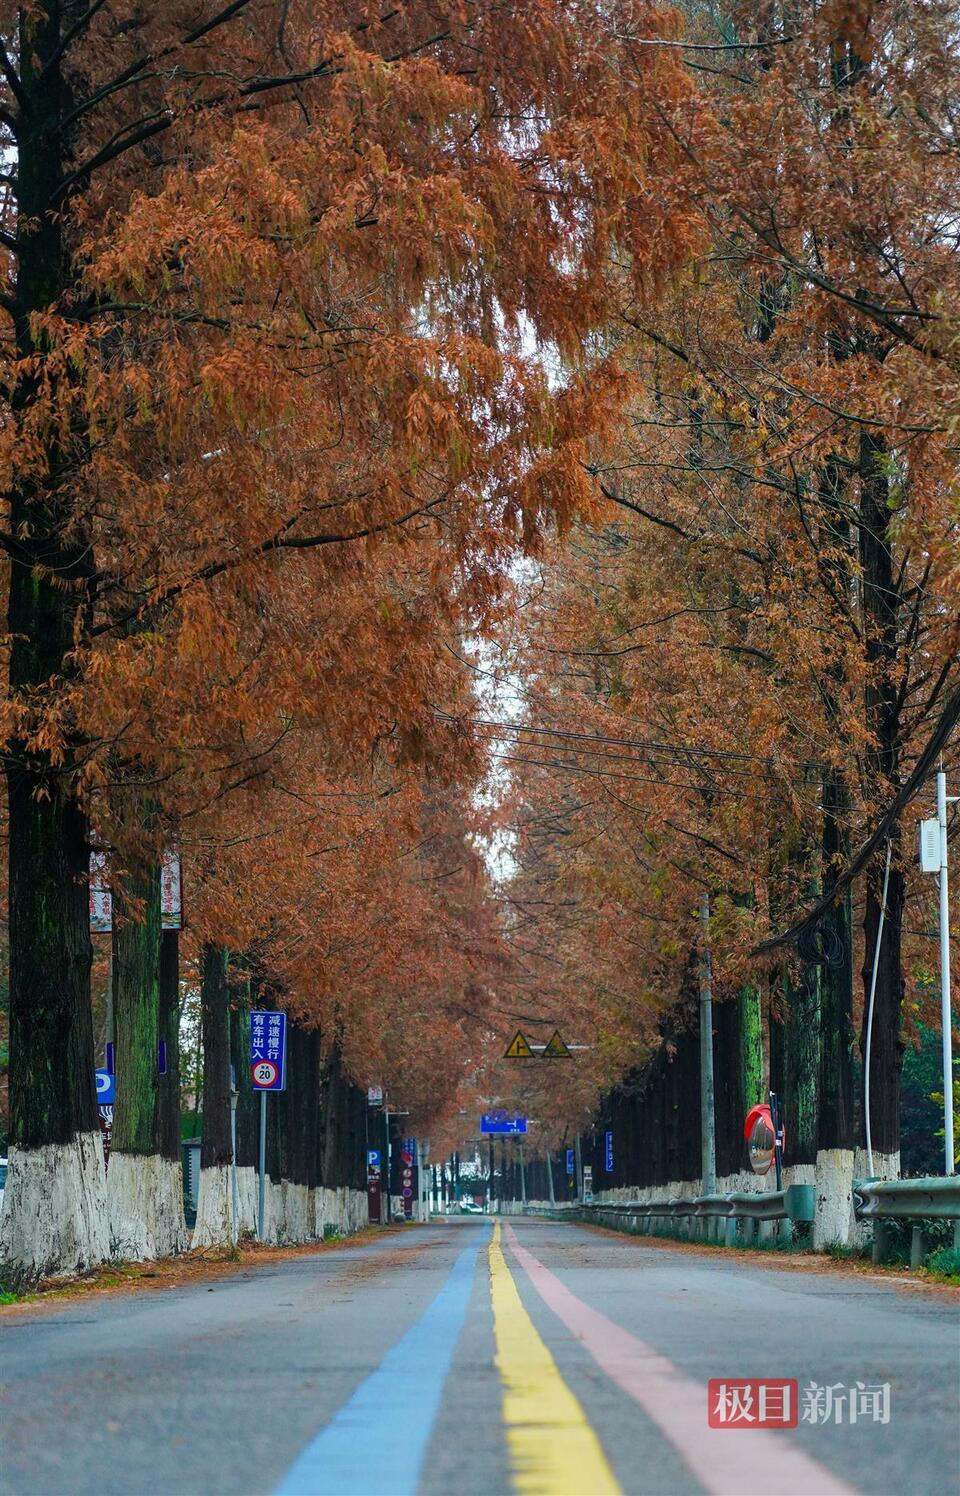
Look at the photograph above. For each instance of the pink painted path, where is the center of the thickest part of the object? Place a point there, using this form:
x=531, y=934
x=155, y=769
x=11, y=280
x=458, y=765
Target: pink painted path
x=726, y=1462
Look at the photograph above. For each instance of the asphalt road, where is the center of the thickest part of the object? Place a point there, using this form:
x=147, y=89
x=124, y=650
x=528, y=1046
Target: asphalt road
x=456, y=1360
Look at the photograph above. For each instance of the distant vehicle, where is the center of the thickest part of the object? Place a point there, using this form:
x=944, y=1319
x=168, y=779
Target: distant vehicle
x=470, y=1208
x=3, y=1178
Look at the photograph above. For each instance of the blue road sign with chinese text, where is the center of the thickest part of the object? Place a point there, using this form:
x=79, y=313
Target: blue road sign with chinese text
x=608, y=1152
x=106, y=1089
x=268, y=1051
x=571, y=1161
x=500, y=1122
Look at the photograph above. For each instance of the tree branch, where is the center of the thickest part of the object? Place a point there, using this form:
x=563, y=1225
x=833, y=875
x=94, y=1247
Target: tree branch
x=949, y=718
x=278, y=542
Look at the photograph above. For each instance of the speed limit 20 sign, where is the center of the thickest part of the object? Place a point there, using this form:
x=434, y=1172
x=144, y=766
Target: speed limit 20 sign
x=268, y=1051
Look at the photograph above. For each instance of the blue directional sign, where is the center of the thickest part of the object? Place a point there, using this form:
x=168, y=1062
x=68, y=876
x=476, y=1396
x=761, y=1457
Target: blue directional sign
x=499, y=1122
x=608, y=1152
x=106, y=1088
x=571, y=1161
x=268, y=1051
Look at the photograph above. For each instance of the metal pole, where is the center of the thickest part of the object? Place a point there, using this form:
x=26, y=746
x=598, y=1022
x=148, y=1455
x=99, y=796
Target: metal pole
x=234, y=1197
x=708, y=1133
x=945, y=1016
x=108, y=1040
x=579, y=1163
x=550, y=1177
x=262, y=1216
x=523, y=1178
x=385, y=1173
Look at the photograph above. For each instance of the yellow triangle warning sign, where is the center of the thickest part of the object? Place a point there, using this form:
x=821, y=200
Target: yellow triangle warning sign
x=556, y=1049
x=518, y=1048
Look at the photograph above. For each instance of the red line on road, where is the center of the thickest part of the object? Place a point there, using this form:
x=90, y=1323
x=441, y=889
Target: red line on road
x=723, y=1460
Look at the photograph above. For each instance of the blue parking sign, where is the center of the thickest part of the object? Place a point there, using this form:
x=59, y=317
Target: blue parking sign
x=106, y=1088
x=268, y=1051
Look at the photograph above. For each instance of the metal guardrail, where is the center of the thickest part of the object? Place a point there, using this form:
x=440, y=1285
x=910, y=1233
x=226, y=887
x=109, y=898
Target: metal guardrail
x=721, y=1218
x=744, y=1215
x=883, y=1200
x=908, y=1199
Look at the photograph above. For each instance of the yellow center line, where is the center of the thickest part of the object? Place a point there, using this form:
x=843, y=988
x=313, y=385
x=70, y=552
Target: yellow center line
x=553, y=1449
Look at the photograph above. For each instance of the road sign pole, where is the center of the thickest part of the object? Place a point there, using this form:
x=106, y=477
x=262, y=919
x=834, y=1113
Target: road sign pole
x=262, y=1214
x=386, y=1158
x=945, y=1014
x=108, y=1042
x=523, y=1178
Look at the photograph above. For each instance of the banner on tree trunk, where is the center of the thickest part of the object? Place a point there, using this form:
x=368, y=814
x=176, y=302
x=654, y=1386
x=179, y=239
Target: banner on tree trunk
x=101, y=903
x=171, y=893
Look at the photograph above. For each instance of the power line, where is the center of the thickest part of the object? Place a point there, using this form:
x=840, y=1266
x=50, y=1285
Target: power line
x=650, y=745
x=698, y=789
x=652, y=755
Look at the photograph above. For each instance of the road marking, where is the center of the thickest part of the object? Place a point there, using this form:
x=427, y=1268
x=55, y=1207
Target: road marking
x=723, y=1460
x=553, y=1449
x=375, y=1445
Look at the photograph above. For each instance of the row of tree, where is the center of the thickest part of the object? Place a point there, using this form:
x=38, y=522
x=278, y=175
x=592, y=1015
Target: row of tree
x=273, y=428
x=342, y=344
x=741, y=670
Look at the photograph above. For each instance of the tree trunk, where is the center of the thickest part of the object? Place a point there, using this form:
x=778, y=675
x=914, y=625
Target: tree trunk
x=214, y=1224
x=835, y=1118
x=882, y=608
x=798, y=1062
x=55, y=1216
x=750, y=1030
x=243, y=997
x=886, y=1041
x=168, y=1088
x=144, y=1188
x=834, y=1220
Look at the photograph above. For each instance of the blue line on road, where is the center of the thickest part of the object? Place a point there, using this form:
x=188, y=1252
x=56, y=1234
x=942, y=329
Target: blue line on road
x=376, y=1444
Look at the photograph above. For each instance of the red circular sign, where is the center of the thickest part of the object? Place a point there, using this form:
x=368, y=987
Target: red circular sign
x=265, y=1073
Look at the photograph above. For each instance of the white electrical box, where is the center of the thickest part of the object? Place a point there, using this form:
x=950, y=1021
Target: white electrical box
x=930, y=846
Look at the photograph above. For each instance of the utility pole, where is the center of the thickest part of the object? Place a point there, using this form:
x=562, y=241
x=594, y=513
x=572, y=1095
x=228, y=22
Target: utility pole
x=943, y=799
x=933, y=859
x=708, y=1133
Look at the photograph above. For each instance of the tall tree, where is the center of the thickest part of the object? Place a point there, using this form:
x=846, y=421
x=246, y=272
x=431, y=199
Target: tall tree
x=271, y=267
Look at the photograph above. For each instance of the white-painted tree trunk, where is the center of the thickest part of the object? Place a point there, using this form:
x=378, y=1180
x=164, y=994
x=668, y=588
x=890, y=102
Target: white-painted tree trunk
x=248, y=1191
x=145, y=1197
x=885, y=1166
x=833, y=1223
x=55, y=1219
x=214, y=1226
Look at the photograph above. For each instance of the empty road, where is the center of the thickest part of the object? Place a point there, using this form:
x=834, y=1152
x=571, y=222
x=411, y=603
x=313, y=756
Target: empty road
x=470, y=1358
